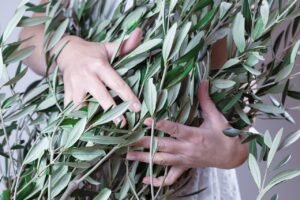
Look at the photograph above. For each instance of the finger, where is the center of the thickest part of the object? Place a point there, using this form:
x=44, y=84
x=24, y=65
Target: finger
x=100, y=93
x=165, y=159
x=208, y=107
x=67, y=94
x=172, y=176
x=127, y=45
x=167, y=145
x=172, y=128
x=116, y=83
x=78, y=98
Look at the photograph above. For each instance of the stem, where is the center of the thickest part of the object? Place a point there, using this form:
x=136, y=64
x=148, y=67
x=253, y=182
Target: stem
x=73, y=185
x=163, y=76
x=151, y=160
x=264, y=180
x=7, y=141
x=17, y=183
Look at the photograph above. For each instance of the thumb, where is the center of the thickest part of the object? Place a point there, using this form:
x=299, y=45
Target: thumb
x=127, y=45
x=208, y=107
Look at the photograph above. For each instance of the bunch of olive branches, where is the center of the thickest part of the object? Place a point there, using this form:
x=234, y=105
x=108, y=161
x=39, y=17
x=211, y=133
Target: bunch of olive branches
x=60, y=152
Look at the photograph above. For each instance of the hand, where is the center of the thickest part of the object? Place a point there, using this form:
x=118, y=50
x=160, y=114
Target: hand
x=86, y=69
x=192, y=147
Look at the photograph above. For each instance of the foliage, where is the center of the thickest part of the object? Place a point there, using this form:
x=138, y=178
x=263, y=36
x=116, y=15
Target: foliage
x=59, y=151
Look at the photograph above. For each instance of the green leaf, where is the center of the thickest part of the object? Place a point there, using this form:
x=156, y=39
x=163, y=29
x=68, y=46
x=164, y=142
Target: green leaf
x=232, y=132
x=283, y=162
x=242, y=114
x=177, y=74
x=289, y=140
x=86, y=153
x=76, y=133
x=20, y=55
x=246, y=10
x=145, y=47
x=232, y=101
x=265, y=11
x=35, y=92
x=252, y=70
x=33, y=21
x=3, y=71
x=104, y=140
x=169, y=42
x=60, y=185
x=267, y=108
x=12, y=24
x=285, y=72
x=20, y=113
x=275, y=197
x=58, y=34
x=7, y=103
x=173, y=93
x=279, y=178
x=16, y=78
x=206, y=19
x=92, y=109
x=202, y=4
x=190, y=55
x=37, y=150
x=223, y=84
x=112, y=114
x=230, y=63
x=255, y=171
x=104, y=194
x=268, y=139
x=274, y=147
x=173, y=4
x=162, y=99
x=47, y=103
x=150, y=95
x=294, y=52
x=294, y=94
x=238, y=32
x=5, y=195
x=224, y=7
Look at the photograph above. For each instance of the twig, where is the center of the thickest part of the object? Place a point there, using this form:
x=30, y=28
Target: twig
x=73, y=185
x=151, y=160
x=7, y=141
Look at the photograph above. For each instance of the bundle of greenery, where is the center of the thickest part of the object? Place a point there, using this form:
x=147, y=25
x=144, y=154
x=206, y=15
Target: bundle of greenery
x=64, y=153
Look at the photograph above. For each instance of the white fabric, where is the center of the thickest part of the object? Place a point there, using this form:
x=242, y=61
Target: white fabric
x=220, y=184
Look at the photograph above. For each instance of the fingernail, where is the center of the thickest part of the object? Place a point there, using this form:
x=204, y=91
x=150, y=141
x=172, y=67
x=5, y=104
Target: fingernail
x=137, y=107
x=148, y=121
x=118, y=120
x=129, y=156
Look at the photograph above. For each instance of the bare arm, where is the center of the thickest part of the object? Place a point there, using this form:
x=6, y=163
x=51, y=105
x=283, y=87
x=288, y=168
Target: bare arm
x=92, y=73
x=37, y=60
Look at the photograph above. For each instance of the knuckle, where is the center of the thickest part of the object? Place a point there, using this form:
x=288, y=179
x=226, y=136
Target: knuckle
x=121, y=84
x=161, y=145
x=160, y=160
x=174, y=130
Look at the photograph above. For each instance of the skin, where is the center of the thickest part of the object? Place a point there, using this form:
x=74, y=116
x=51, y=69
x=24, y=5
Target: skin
x=187, y=147
x=192, y=147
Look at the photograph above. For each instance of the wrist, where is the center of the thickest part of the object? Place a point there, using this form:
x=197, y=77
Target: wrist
x=60, y=49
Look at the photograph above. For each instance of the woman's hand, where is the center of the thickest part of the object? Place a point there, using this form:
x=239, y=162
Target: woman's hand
x=192, y=147
x=86, y=69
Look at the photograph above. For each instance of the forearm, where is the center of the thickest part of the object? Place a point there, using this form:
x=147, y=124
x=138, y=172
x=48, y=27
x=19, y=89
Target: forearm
x=37, y=61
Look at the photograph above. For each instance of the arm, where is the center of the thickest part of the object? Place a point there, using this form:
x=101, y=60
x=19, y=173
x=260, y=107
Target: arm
x=92, y=73
x=37, y=60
